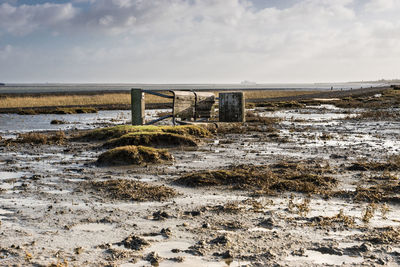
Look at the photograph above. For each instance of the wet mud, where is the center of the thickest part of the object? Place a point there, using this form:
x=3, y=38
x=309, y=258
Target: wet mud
x=310, y=185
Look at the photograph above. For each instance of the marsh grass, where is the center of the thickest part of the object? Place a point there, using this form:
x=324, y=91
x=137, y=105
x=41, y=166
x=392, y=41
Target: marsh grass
x=116, y=98
x=72, y=100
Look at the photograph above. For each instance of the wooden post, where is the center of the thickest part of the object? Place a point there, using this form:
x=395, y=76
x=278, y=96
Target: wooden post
x=231, y=107
x=137, y=106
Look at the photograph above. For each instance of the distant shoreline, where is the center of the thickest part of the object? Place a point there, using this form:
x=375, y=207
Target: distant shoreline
x=65, y=89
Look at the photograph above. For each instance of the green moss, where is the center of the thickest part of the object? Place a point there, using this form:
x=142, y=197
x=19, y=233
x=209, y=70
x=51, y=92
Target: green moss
x=191, y=130
x=133, y=155
x=153, y=139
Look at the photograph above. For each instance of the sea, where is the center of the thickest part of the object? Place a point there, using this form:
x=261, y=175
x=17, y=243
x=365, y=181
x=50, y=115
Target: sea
x=86, y=87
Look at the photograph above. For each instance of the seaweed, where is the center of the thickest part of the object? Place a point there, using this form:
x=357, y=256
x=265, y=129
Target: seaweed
x=123, y=189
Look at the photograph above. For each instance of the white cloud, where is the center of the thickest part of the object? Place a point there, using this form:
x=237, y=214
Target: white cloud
x=380, y=5
x=24, y=19
x=215, y=40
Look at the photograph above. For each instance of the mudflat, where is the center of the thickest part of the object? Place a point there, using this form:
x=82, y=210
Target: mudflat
x=305, y=182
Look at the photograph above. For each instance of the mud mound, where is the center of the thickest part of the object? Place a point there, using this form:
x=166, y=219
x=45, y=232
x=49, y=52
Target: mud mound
x=260, y=178
x=130, y=190
x=39, y=138
x=153, y=139
x=133, y=155
x=114, y=132
x=134, y=242
x=118, y=131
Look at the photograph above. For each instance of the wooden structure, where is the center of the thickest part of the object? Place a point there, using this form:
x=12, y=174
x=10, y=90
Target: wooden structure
x=187, y=106
x=137, y=107
x=184, y=105
x=232, y=107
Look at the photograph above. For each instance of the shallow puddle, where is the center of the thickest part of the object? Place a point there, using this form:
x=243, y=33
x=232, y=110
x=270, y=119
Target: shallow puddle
x=11, y=175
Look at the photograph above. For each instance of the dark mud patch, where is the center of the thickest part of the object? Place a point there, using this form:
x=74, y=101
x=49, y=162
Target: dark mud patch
x=152, y=139
x=134, y=242
x=57, y=122
x=133, y=155
x=122, y=189
x=263, y=179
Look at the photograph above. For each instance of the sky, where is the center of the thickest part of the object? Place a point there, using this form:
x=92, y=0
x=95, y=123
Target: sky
x=198, y=41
